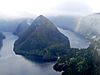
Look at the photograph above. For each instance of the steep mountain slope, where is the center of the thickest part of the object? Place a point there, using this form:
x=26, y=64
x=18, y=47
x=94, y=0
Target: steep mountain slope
x=83, y=61
x=9, y=25
x=66, y=22
x=90, y=26
x=22, y=27
x=42, y=38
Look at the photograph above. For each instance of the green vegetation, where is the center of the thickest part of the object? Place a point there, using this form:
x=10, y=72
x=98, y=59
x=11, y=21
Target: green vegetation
x=21, y=28
x=43, y=39
x=80, y=61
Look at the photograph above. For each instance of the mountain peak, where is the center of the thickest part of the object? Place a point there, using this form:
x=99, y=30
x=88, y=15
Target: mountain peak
x=42, y=18
x=42, y=21
x=42, y=39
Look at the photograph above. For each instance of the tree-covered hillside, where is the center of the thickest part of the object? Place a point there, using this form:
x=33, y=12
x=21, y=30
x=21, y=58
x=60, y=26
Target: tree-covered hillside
x=80, y=61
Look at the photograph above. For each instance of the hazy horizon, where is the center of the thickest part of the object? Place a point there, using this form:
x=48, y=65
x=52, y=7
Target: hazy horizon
x=29, y=8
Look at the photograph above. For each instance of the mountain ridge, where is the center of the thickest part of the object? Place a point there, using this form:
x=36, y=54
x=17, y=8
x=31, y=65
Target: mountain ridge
x=42, y=38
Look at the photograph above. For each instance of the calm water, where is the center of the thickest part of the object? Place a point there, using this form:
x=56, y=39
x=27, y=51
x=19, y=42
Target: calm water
x=76, y=40
x=12, y=64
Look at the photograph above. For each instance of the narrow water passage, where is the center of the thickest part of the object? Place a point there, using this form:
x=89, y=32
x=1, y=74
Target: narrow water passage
x=12, y=64
x=76, y=41
x=8, y=44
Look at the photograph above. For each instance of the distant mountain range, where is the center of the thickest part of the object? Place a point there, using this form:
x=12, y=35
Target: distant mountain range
x=90, y=26
x=43, y=39
x=65, y=22
x=11, y=25
x=22, y=27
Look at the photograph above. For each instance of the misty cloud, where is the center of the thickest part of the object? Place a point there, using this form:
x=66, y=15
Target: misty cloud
x=17, y=8
x=74, y=7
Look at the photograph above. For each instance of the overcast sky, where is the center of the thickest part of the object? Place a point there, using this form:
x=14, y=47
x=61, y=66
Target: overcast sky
x=17, y=8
